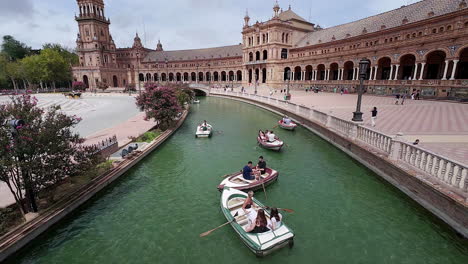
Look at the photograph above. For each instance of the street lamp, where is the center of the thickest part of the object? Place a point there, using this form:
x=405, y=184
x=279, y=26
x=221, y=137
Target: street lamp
x=198, y=74
x=363, y=66
x=209, y=75
x=255, y=81
x=138, y=70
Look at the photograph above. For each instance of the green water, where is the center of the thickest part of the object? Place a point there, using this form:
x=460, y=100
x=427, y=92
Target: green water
x=155, y=212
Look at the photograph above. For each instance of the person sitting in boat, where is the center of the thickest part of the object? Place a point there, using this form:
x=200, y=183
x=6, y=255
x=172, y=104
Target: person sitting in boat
x=261, y=134
x=260, y=224
x=286, y=120
x=248, y=201
x=247, y=172
x=275, y=219
x=271, y=137
x=204, y=125
x=261, y=165
x=251, y=213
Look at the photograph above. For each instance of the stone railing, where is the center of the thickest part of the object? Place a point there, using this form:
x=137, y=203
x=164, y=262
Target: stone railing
x=433, y=165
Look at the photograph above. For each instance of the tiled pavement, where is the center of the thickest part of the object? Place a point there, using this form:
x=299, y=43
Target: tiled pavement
x=442, y=127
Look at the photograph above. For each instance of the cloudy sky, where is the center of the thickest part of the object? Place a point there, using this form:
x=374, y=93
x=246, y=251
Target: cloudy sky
x=180, y=24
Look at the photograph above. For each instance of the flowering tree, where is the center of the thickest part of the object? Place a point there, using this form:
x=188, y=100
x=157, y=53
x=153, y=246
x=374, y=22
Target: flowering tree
x=40, y=150
x=160, y=104
x=80, y=86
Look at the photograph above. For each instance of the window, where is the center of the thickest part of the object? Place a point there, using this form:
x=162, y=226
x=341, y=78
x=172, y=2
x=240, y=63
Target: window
x=434, y=30
x=420, y=33
x=449, y=27
x=408, y=36
x=284, y=53
x=441, y=29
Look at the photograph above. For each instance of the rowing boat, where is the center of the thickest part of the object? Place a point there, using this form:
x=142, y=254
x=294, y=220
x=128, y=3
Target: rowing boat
x=290, y=126
x=275, y=145
x=204, y=131
x=261, y=244
x=237, y=181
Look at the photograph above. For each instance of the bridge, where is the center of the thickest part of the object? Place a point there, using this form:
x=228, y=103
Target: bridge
x=200, y=89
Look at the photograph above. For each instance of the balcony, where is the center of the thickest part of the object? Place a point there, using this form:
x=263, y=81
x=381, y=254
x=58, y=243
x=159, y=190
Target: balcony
x=255, y=62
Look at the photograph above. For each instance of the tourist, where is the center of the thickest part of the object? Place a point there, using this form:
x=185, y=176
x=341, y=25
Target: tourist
x=247, y=171
x=341, y=91
x=275, y=218
x=416, y=142
x=248, y=201
x=271, y=136
x=403, y=97
x=397, y=97
x=286, y=120
x=417, y=95
x=250, y=212
x=374, y=116
x=261, y=134
x=260, y=224
x=261, y=165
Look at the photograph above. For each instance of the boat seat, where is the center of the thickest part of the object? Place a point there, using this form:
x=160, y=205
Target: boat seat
x=233, y=206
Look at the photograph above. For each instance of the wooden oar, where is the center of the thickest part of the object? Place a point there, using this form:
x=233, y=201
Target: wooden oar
x=229, y=175
x=210, y=231
x=264, y=191
x=282, y=209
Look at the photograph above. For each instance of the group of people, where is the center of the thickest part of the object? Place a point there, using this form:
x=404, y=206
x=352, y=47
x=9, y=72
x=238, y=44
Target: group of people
x=254, y=173
x=204, y=126
x=286, y=120
x=268, y=136
x=258, y=222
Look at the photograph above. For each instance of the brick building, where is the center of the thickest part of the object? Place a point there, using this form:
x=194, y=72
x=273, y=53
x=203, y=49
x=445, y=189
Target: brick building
x=422, y=46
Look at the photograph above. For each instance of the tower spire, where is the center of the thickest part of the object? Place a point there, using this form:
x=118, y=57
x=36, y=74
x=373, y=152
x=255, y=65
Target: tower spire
x=276, y=9
x=246, y=18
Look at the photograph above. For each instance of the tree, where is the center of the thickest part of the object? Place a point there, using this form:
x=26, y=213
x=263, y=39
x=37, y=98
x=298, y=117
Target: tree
x=40, y=151
x=66, y=53
x=160, y=104
x=14, y=49
x=55, y=67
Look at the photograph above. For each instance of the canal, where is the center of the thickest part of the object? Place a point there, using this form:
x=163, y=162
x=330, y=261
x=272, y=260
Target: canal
x=344, y=213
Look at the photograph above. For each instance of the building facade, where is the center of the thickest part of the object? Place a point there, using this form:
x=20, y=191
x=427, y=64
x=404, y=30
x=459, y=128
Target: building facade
x=422, y=46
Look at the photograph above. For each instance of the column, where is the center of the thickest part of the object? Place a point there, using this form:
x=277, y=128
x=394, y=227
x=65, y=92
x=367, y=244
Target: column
x=454, y=70
x=375, y=72
x=415, y=75
x=314, y=77
x=396, y=71
x=371, y=75
x=445, y=70
x=328, y=74
x=340, y=74
x=292, y=76
x=303, y=76
x=423, y=64
x=391, y=72
x=356, y=73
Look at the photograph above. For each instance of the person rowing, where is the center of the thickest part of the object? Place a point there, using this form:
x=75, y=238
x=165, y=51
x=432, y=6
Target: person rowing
x=271, y=137
x=286, y=120
x=248, y=201
x=261, y=165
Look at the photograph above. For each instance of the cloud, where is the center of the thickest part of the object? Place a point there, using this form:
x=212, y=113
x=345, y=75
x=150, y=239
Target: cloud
x=180, y=24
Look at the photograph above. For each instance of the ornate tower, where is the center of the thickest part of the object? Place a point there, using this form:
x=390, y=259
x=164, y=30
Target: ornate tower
x=95, y=45
x=159, y=47
x=246, y=18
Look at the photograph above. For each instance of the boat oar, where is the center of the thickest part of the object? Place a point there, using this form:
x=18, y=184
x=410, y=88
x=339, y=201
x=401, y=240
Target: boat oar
x=229, y=175
x=210, y=231
x=264, y=191
x=282, y=209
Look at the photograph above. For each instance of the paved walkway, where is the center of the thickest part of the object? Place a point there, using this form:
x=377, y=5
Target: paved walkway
x=441, y=127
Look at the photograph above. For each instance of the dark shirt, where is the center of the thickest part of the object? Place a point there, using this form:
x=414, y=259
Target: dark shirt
x=374, y=113
x=262, y=165
x=246, y=172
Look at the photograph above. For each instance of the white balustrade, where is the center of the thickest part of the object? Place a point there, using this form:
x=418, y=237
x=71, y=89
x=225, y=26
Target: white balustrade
x=374, y=138
x=341, y=125
x=320, y=117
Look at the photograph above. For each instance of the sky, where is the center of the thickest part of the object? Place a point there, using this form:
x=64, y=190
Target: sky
x=180, y=24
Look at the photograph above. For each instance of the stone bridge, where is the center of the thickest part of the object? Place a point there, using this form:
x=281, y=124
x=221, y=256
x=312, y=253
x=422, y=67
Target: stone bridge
x=200, y=89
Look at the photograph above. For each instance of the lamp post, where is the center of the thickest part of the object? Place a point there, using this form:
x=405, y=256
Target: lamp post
x=288, y=77
x=198, y=74
x=255, y=80
x=363, y=66
x=209, y=72
x=138, y=70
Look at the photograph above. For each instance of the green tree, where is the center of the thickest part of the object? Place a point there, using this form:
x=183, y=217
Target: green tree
x=14, y=49
x=68, y=54
x=54, y=66
x=40, y=151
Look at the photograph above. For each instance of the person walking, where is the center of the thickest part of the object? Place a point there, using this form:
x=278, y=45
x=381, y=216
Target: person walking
x=417, y=94
x=397, y=97
x=403, y=97
x=374, y=116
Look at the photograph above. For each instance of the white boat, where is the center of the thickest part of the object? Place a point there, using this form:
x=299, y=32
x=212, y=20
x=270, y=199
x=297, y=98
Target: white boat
x=290, y=126
x=204, y=131
x=196, y=101
x=275, y=145
x=260, y=244
x=237, y=181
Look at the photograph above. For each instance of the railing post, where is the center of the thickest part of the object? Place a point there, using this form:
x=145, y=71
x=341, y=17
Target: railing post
x=329, y=119
x=353, y=131
x=297, y=109
x=396, y=147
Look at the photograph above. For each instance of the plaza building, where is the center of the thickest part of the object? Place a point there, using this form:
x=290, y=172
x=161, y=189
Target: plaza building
x=422, y=46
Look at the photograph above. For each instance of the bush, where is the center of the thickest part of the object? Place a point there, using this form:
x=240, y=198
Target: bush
x=148, y=136
x=79, y=86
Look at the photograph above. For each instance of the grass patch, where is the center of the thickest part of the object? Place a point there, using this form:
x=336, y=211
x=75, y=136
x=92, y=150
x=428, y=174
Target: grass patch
x=148, y=136
x=9, y=218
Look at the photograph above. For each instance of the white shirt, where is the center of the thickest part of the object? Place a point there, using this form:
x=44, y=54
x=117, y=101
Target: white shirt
x=287, y=121
x=274, y=221
x=251, y=215
x=271, y=137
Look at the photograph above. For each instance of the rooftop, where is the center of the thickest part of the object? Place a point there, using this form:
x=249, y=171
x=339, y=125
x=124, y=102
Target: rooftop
x=194, y=54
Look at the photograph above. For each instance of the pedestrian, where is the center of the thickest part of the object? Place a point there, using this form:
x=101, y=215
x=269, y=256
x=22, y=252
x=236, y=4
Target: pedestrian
x=341, y=91
x=416, y=142
x=397, y=96
x=403, y=97
x=374, y=116
x=417, y=95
